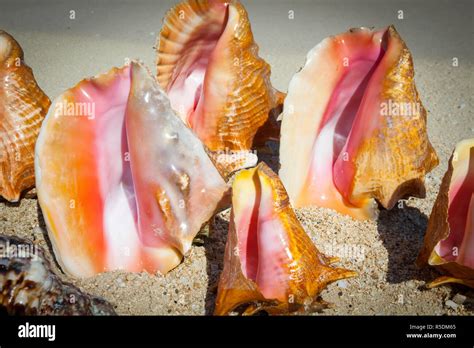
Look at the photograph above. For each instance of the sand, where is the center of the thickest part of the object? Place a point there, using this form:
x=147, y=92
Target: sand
x=62, y=51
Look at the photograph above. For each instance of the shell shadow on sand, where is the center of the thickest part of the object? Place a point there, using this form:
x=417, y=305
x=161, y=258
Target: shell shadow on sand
x=214, y=246
x=270, y=155
x=402, y=231
x=10, y=204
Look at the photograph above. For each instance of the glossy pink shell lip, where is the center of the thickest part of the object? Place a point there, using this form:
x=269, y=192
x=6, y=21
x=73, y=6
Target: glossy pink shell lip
x=262, y=239
x=353, y=101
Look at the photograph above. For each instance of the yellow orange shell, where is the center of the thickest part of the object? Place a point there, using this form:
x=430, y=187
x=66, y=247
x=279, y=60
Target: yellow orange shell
x=212, y=40
x=23, y=106
x=458, y=180
x=342, y=144
x=300, y=271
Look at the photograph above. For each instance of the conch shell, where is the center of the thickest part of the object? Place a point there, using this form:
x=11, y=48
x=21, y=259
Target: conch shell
x=208, y=63
x=122, y=182
x=353, y=127
x=28, y=286
x=449, y=238
x=270, y=262
x=23, y=106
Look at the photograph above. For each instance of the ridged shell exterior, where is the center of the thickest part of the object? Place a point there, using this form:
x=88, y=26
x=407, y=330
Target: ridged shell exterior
x=438, y=228
x=237, y=96
x=23, y=106
x=308, y=269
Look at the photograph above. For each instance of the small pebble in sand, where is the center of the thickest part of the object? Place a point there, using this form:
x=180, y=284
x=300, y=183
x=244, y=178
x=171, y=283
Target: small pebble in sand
x=451, y=304
x=120, y=282
x=342, y=284
x=459, y=299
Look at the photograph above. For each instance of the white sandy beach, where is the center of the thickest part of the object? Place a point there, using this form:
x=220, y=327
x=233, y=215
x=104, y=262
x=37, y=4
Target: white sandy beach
x=62, y=51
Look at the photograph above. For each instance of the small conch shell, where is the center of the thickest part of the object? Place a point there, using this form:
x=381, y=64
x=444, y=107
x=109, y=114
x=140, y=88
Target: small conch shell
x=449, y=238
x=208, y=63
x=270, y=262
x=353, y=128
x=23, y=106
x=122, y=182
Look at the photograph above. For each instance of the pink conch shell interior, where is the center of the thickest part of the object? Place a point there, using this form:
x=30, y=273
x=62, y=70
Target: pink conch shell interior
x=339, y=137
x=140, y=183
x=348, y=100
x=262, y=239
x=208, y=63
x=186, y=90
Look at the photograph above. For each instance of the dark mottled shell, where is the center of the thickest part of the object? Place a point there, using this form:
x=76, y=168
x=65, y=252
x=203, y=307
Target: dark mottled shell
x=29, y=286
